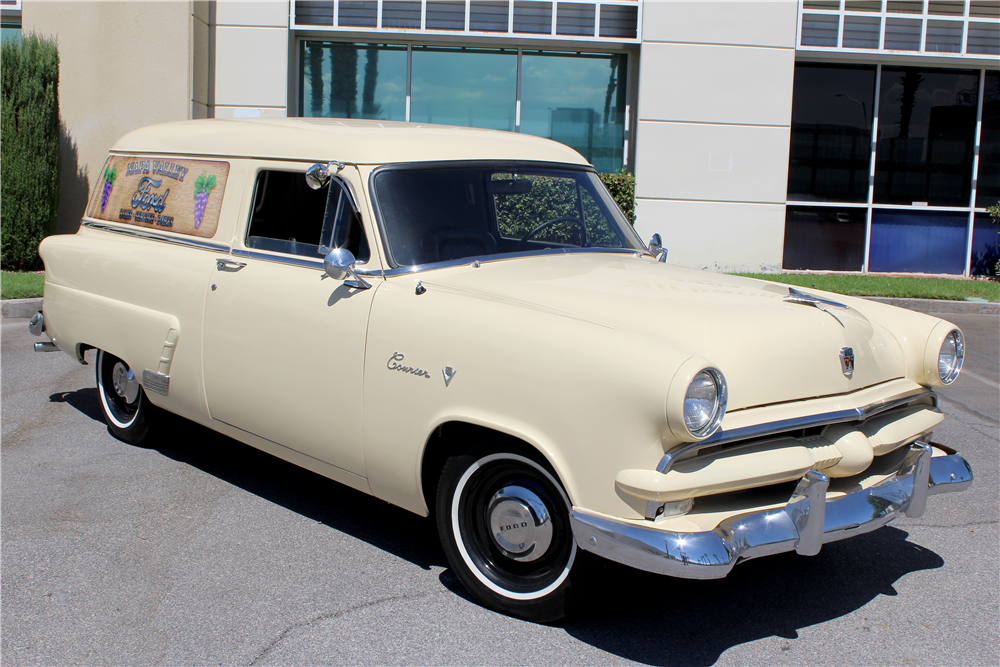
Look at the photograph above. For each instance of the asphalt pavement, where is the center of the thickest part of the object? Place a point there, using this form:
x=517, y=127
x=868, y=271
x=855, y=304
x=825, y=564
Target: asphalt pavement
x=199, y=550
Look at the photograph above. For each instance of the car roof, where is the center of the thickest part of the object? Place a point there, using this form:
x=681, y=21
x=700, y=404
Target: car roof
x=348, y=140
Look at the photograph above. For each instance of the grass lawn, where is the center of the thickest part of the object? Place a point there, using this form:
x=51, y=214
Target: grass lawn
x=21, y=285
x=885, y=286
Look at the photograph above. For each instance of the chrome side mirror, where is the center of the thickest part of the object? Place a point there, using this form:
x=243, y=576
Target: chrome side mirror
x=339, y=265
x=319, y=175
x=656, y=247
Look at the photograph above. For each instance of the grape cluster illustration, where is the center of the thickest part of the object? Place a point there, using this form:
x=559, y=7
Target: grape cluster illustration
x=202, y=186
x=110, y=174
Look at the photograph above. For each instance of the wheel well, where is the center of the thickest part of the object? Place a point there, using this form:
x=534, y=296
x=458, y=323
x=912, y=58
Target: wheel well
x=453, y=438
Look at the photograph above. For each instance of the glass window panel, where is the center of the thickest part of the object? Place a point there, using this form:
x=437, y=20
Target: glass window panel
x=619, y=21
x=360, y=13
x=821, y=4
x=532, y=17
x=985, y=8
x=574, y=18
x=861, y=32
x=985, y=246
x=314, y=12
x=459, y=86
x=11, y=32
x=944, y=37
x=946, y=7
x=578, y=100
x=401, y=14
x=447, y=15
x=824, y=239
x=988, y=181
x=820, y=29
x=863, y=5
x=904, y=7
x=830, y=152
x=983, y=38
x=902, y=34
x=489, y=15
x=926, y=130
x=353, y=80
x=918, y=241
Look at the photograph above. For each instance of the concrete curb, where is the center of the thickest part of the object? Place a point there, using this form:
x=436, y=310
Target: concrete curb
x=27, y=307
x=20, y=307
x=942, y=307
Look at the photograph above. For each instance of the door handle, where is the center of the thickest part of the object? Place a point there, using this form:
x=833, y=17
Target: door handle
x=228, y=265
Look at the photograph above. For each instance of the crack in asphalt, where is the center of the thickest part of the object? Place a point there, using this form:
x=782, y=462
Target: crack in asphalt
x=965, y=408
x=343, y=612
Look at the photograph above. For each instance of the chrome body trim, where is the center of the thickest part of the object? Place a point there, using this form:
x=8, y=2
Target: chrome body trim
x=46, y=347
x=36, y=325
x=803, y=525
x=481, y=259
x=280, y=259
x=155, y=382
x=145, y=234
x=722, y=436
x=795, y=296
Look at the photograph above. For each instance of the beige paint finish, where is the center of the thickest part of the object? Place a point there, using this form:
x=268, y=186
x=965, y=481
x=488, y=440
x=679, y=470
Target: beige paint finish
x=573, y=355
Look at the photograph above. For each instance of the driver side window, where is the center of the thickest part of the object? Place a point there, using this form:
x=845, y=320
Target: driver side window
x=290, y=217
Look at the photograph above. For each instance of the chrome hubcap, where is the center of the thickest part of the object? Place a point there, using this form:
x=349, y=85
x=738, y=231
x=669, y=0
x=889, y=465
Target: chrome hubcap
x=520, y=524
x=124, y=382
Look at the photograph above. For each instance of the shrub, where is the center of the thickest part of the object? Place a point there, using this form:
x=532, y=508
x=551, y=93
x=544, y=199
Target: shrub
x=29, y=148
x=621, y=185
x=994, y=212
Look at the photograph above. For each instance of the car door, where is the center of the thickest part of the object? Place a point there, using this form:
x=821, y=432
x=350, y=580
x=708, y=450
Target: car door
x=284, y=344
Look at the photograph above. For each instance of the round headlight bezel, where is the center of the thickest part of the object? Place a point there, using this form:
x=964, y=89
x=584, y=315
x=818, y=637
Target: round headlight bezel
x=719, y=408
x=954, y=367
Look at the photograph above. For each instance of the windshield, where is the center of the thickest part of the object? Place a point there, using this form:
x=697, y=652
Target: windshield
x=441, y=214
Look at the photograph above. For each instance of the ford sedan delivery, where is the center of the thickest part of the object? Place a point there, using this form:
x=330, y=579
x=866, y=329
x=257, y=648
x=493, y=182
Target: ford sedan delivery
x=463, y=323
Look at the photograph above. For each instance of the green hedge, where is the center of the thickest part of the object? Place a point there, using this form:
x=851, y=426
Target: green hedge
x=29, y=148
x=621, y=185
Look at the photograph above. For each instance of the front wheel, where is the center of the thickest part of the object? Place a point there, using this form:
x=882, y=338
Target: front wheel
x=125, y=407
x=503, y=520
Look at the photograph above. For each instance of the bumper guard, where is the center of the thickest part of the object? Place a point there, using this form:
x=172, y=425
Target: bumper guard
x=804, y=525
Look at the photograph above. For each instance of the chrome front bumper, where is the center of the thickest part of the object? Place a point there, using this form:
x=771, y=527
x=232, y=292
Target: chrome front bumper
x=804, y=525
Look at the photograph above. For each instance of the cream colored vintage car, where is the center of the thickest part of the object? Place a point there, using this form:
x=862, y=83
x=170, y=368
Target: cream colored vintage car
x=463, y=323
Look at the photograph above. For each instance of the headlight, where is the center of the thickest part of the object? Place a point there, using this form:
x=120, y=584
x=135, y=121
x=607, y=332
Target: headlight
x=696, y=401
x=951, y=356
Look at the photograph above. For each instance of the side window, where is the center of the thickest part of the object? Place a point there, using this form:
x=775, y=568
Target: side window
x=287, y=215
x=290, y=217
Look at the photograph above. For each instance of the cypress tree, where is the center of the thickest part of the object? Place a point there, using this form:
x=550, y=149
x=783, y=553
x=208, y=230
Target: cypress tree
x=29, y=148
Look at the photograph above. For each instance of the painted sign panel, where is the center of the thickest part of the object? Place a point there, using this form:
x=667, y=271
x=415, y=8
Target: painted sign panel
x=181, y=196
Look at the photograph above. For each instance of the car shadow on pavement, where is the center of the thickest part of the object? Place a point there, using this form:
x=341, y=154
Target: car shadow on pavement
x=639, y=616
x=662, y=621
x=384, y=526
x=87, y=401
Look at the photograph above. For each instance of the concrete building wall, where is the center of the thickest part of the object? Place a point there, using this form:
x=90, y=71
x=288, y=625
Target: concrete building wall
x=252, y=59
x=712, y=137
x=123, y=65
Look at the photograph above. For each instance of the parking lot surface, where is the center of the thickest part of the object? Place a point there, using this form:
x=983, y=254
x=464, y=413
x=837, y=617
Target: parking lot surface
x=200, y=550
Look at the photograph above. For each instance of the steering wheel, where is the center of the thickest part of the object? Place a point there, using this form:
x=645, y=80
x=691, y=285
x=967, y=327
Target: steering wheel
x=566, y=218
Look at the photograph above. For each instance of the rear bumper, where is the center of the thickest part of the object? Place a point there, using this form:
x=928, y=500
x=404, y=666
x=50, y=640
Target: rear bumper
x=803, y=525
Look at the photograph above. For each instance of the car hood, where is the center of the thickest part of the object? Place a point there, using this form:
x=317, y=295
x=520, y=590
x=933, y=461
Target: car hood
x=770, y=350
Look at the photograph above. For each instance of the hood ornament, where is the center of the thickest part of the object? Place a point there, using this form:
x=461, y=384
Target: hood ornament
x=847, y=361
x=795, y=296
x=449, y=373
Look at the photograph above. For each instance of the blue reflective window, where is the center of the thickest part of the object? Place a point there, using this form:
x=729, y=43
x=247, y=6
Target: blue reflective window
x=460, y=86
x=918, y=241
x=578, y=100
x=824, y=238
x=353, y=80
x=985, y=246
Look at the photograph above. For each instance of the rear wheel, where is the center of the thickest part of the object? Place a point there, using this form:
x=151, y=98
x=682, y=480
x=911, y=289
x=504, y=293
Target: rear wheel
x=503, y=519
x=125, y=407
